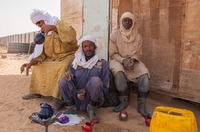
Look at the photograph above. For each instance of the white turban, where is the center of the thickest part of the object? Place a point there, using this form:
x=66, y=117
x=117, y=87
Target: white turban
x=39, y=14
x=128, y=35
x=80, y=57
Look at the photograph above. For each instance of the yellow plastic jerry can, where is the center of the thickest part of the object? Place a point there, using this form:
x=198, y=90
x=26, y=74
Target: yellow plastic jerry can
x=169, y=119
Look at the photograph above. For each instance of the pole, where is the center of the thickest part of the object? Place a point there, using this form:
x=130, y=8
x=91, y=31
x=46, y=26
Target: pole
x=46, y=128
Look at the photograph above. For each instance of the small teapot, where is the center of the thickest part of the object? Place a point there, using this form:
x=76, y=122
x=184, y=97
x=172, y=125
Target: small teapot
x=46, y=111
x=123, y=115
x=39, y=38
x=87, y=127
x=147, y=120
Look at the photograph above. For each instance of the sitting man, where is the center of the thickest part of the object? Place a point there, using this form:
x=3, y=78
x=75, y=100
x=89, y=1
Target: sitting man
x=86, y=83
x=58, y=51
x=125, y=50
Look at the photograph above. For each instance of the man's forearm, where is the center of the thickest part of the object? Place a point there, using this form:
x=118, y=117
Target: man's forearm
x=32, y=62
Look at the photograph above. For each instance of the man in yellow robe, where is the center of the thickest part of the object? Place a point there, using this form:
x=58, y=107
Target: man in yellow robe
x=59, y=47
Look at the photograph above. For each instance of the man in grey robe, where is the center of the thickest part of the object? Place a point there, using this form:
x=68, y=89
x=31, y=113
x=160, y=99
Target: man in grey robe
x=86, y=83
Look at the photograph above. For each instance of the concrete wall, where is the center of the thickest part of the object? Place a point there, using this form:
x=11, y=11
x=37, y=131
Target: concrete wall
x=72, y=13
x=89, y=17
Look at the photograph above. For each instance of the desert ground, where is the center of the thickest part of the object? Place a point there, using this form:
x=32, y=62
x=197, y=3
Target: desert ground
x=15, y=112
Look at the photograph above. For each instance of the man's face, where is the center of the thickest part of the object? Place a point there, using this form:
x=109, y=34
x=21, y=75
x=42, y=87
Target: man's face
x=127, y=23
x=40, y=23
x=88, y=48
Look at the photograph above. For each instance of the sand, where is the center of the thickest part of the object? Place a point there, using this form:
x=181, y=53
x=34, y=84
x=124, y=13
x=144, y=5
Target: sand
x=15, y=112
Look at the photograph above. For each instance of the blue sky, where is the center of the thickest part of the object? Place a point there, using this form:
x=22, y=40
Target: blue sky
x=15, y=14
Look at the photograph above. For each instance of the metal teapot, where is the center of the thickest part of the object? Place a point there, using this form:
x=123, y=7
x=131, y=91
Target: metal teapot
x=46, y=111
x=39, y=38
x=123, y=115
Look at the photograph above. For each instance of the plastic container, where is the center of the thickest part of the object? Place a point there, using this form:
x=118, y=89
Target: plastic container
x=169, y=119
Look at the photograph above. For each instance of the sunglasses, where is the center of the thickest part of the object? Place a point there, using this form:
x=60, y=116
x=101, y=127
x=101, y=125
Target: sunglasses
x=38, y=22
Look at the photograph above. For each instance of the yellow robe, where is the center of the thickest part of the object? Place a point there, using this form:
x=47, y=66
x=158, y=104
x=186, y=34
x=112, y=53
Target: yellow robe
x=59, y=49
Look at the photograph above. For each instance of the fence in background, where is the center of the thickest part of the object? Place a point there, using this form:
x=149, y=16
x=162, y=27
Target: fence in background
x=18, y=38
x=18, y=43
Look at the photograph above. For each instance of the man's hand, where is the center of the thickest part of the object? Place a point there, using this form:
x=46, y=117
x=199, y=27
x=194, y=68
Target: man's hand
x=27, y=66
x=68, y=76
x=81, y=94
x=126, y=64
x=46, y=28
x=129, y=63
x=23, y=67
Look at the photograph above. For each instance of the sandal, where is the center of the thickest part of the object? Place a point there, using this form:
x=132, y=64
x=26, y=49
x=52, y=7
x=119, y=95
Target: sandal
x=31, y=96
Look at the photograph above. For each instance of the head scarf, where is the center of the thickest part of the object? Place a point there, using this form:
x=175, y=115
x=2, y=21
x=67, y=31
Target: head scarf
x=130, y=34
x=39, y=14
x=80, y=57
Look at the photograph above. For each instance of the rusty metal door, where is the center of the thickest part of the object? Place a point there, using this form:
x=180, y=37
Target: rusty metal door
x=96, y=23
x=189, y=86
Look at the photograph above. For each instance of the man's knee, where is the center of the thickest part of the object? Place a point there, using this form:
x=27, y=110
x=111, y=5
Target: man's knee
x=121, y=82
x=115, y=67
x=95, y=81
x=94, y=87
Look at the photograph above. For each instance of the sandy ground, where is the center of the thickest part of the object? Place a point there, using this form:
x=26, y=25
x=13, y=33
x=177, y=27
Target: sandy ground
x=15, y=112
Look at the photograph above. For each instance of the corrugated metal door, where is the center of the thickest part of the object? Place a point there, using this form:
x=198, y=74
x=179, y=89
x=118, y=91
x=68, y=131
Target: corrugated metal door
x=189, y=86
x=96, y=23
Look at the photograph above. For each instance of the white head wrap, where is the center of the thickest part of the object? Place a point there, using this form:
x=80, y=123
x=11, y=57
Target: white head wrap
x=130, y=34
x=80, y=57
x=39, y=14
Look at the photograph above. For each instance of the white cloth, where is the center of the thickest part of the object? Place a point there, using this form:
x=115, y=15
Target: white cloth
x=130, y=34
x=37, y=52
x=80, y=57
x=73, y=120
x=39, y=14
